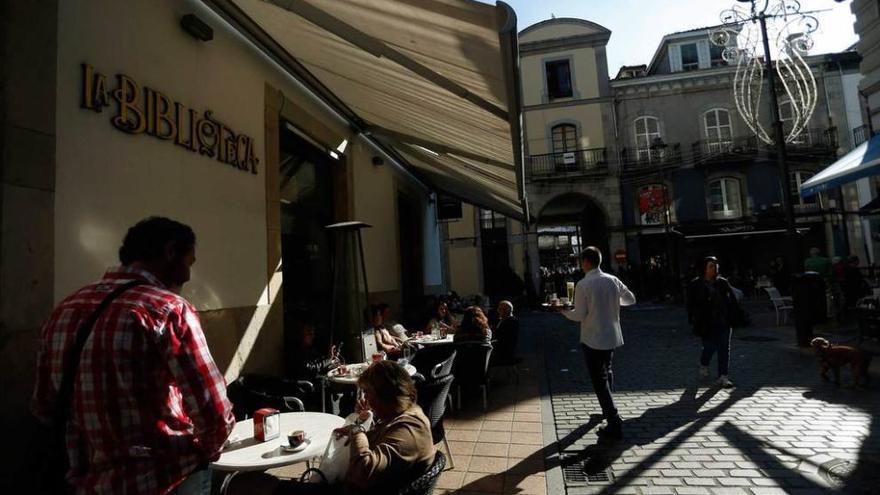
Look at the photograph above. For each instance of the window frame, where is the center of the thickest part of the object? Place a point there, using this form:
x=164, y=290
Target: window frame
x=551, y=96
x=717, y=143
x=692, y=65
x=491, y=220
x=566, y=140
x=795, y=179
x=646, y=153
x=726, y=213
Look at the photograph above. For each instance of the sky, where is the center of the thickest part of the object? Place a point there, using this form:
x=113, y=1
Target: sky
x=638, y=25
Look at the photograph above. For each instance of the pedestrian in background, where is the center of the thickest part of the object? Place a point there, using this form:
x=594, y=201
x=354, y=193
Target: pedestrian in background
x=712, y=306
x=597, y=301
x=145, y=409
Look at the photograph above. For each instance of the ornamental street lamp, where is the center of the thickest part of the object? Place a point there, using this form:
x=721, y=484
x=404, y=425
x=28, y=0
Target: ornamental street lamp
x=739, y=35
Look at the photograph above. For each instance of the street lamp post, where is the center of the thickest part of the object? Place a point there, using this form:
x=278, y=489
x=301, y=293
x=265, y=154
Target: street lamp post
x=794, y=251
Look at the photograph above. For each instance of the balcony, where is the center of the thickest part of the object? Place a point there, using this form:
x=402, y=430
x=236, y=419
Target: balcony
x=861, y=134
x=585, y=162
x=655, y=158
x=709, y=151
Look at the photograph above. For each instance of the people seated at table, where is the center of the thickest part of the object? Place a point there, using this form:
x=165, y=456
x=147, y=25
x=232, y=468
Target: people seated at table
x=394, y=328
x=474, y=327
x=506, y=333
x=385, y=342
x=307, y=362
x=397, y=450
x=441, y=320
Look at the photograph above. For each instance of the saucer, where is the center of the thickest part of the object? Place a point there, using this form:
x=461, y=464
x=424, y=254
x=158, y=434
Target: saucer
x=298, y=448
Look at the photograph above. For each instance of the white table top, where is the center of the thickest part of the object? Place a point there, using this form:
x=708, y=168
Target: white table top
x=428, y=340
x=244, y=453
x=351, y=379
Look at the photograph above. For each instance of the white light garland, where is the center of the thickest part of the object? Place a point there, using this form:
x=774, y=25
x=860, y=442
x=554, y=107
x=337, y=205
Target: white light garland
x=790, y=35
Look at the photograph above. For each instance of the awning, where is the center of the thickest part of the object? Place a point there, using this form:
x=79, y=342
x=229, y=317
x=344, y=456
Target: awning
x=434, y=81
x=863, y=161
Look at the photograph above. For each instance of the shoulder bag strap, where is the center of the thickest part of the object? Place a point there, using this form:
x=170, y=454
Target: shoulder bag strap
x=65, y=391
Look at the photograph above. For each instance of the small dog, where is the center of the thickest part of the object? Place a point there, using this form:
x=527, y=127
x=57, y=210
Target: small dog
x=835, y=356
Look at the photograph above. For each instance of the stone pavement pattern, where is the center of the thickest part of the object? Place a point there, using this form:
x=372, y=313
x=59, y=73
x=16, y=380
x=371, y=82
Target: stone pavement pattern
x=774, y=433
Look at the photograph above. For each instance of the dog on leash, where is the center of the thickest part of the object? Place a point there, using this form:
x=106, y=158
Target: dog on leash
x=834, y=357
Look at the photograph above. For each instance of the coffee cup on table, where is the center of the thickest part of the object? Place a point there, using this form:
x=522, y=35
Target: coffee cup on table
x=296, y=438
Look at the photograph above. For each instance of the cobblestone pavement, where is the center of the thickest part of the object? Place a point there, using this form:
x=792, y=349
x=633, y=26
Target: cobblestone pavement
x=781, y=430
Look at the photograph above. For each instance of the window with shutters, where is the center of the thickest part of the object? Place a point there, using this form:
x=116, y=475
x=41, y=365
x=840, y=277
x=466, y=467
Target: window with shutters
x=564, y=138
x=715, y=52
x=690, y=56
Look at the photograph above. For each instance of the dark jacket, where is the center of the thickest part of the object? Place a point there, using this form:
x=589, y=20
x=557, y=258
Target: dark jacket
x=710, y=304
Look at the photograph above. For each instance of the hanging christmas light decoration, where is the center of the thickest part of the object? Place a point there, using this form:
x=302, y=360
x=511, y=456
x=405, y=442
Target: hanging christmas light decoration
x=790, y=36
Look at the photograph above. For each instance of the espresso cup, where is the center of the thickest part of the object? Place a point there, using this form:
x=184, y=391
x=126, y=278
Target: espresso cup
x=296, y=438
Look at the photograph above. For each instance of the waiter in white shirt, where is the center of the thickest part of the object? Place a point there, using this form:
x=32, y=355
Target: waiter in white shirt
x=597, y=301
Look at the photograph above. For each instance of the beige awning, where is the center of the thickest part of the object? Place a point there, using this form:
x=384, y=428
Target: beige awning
x=434, y=81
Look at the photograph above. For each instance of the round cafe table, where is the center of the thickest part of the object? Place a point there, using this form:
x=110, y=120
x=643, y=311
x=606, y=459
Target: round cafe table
x=245, y=453
x=429, y=340
x=349, y=379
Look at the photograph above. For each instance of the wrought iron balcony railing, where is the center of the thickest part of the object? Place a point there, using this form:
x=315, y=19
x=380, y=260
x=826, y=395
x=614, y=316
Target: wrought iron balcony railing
x=658, y=156
x=569, y=163
x=709, y=150
x=861, y=134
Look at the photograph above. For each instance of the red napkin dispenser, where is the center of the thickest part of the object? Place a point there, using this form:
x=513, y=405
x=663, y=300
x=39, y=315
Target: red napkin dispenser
x=267, y=424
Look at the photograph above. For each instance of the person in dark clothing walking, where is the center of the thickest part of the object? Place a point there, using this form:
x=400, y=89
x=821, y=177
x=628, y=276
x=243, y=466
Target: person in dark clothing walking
x=711, y=308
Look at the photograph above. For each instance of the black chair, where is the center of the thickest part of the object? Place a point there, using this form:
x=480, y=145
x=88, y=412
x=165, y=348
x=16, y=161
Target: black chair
x=251, y=392
x=471, y=368
x=424, y=484
x=432, y=396
x=504, y=352
x=434, y=361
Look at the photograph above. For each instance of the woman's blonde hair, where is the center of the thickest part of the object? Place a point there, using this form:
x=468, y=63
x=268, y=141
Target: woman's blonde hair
x=389, y=383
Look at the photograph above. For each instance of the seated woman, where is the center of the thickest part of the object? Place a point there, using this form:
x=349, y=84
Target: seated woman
x=474, y=327
x=307, y=362
x=441, y=319
x=390, y=345
x=396, y=330
x=396, y=451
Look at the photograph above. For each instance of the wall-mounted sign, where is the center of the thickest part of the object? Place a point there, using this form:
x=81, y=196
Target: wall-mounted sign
x=142, y=110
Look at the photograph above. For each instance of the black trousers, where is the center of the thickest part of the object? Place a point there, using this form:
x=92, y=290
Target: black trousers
x=599, y=366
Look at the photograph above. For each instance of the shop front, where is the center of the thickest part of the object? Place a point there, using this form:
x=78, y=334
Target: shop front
x=226, y=116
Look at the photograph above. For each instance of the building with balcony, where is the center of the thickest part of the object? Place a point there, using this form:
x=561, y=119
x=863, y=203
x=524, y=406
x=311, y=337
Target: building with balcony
x=694, y=178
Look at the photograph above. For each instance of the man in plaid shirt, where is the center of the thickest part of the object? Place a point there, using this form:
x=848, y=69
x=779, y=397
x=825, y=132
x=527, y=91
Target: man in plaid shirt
x=149, y=408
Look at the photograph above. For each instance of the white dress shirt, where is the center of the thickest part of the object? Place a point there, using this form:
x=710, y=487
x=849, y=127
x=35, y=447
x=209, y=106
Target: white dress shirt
x=597, y=301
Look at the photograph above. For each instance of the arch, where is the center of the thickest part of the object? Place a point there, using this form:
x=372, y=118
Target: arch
x=586, y=214
x=589, y=26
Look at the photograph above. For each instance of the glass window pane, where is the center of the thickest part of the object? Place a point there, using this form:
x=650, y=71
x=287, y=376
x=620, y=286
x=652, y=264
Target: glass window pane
x=723, y=117
x=558, y=79
x=711, y=119
x=690, y=58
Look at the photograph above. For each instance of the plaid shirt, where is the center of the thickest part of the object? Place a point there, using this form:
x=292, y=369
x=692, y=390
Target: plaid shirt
x=149, y=404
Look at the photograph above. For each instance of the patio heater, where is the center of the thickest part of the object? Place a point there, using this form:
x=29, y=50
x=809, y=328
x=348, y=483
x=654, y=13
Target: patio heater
x=349, y=293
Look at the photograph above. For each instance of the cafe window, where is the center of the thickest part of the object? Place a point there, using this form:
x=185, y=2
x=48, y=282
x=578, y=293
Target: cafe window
x=795, y=179
x=725, y=198
x=558, y=73
x=647, y=132
x=492, y=220
x=564, y=138
x=719, y=132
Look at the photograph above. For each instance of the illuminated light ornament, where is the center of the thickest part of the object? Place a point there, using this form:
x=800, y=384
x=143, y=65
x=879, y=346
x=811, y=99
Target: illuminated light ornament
x=790, y=35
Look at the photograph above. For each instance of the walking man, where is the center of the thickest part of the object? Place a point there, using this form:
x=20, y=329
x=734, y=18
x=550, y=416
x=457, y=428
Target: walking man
x=711, y=307
x=125, y=371
x=597, y=301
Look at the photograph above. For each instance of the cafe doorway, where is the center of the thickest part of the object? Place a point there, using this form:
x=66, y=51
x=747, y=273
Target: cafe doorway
x=306, y=197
